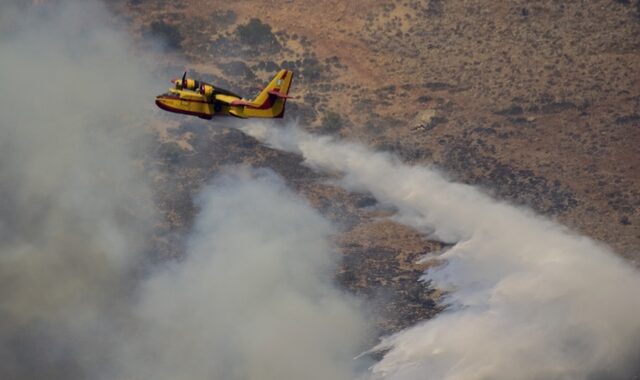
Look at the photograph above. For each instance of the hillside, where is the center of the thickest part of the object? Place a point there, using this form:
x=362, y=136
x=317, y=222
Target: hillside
x=537, y=103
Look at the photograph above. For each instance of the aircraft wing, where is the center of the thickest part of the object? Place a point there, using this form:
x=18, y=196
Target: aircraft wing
x=227, y=99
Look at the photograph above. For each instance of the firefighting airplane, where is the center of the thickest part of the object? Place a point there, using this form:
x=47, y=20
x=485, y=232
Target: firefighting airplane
x=193, y=97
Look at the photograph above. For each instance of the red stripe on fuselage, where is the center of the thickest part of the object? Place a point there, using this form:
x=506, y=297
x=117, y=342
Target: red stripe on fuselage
x=183, y=100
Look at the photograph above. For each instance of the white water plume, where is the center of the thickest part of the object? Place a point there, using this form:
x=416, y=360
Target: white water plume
x=529, y=299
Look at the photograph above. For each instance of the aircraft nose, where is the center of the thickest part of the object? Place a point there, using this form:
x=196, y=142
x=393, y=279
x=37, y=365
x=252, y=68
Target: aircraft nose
x=160, y=102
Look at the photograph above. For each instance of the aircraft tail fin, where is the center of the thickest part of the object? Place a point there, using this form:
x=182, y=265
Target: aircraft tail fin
x=273, y=98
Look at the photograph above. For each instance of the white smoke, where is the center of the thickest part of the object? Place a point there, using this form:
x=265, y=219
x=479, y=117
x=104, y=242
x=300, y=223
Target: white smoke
x=529, y=299
x=254, y=297
x=74, y=213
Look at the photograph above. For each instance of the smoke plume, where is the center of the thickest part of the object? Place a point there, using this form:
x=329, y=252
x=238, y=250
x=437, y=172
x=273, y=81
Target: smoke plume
x=74, y=214
x=252, y=298
x=529, y=299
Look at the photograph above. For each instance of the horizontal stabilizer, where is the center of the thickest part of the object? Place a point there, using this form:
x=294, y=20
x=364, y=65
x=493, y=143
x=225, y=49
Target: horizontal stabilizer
x=279, y=94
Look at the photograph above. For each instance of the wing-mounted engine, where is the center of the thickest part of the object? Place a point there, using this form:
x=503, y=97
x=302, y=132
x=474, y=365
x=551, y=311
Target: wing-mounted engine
x=185, y=83
x=206, y=90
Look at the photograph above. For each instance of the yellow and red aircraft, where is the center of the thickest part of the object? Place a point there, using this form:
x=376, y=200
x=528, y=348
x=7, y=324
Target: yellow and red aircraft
x=193, y=97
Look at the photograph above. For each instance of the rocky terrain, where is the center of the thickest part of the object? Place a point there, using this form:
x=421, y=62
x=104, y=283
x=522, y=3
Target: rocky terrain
x=536, y=102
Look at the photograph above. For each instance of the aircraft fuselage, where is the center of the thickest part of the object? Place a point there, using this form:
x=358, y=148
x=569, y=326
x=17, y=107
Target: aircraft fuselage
x=191, y=103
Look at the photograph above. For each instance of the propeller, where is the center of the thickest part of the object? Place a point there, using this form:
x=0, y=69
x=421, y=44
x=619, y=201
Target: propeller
x=181, y=82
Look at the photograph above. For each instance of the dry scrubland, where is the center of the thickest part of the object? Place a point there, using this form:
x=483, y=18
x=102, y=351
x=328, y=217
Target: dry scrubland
x=538, y=103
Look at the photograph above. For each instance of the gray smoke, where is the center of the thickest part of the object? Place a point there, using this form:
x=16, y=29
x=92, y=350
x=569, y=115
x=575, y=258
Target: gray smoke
x=529, y=299
x=74, y=214
x=253, y=297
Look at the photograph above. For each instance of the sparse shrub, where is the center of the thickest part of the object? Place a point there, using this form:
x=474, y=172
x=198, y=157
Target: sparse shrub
x=301, y=111
x=289, y=65
x=388, y=89
x=224, y=46
x=170, y=153
x=434, y=122
x=268, y=66
x=511, y=111
x=271, y=66
x=628, y=119
x=228, y=17
x=168, y=33
x=238, y=69
x=331, y=122
x=257, y=33
x=311, y=69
